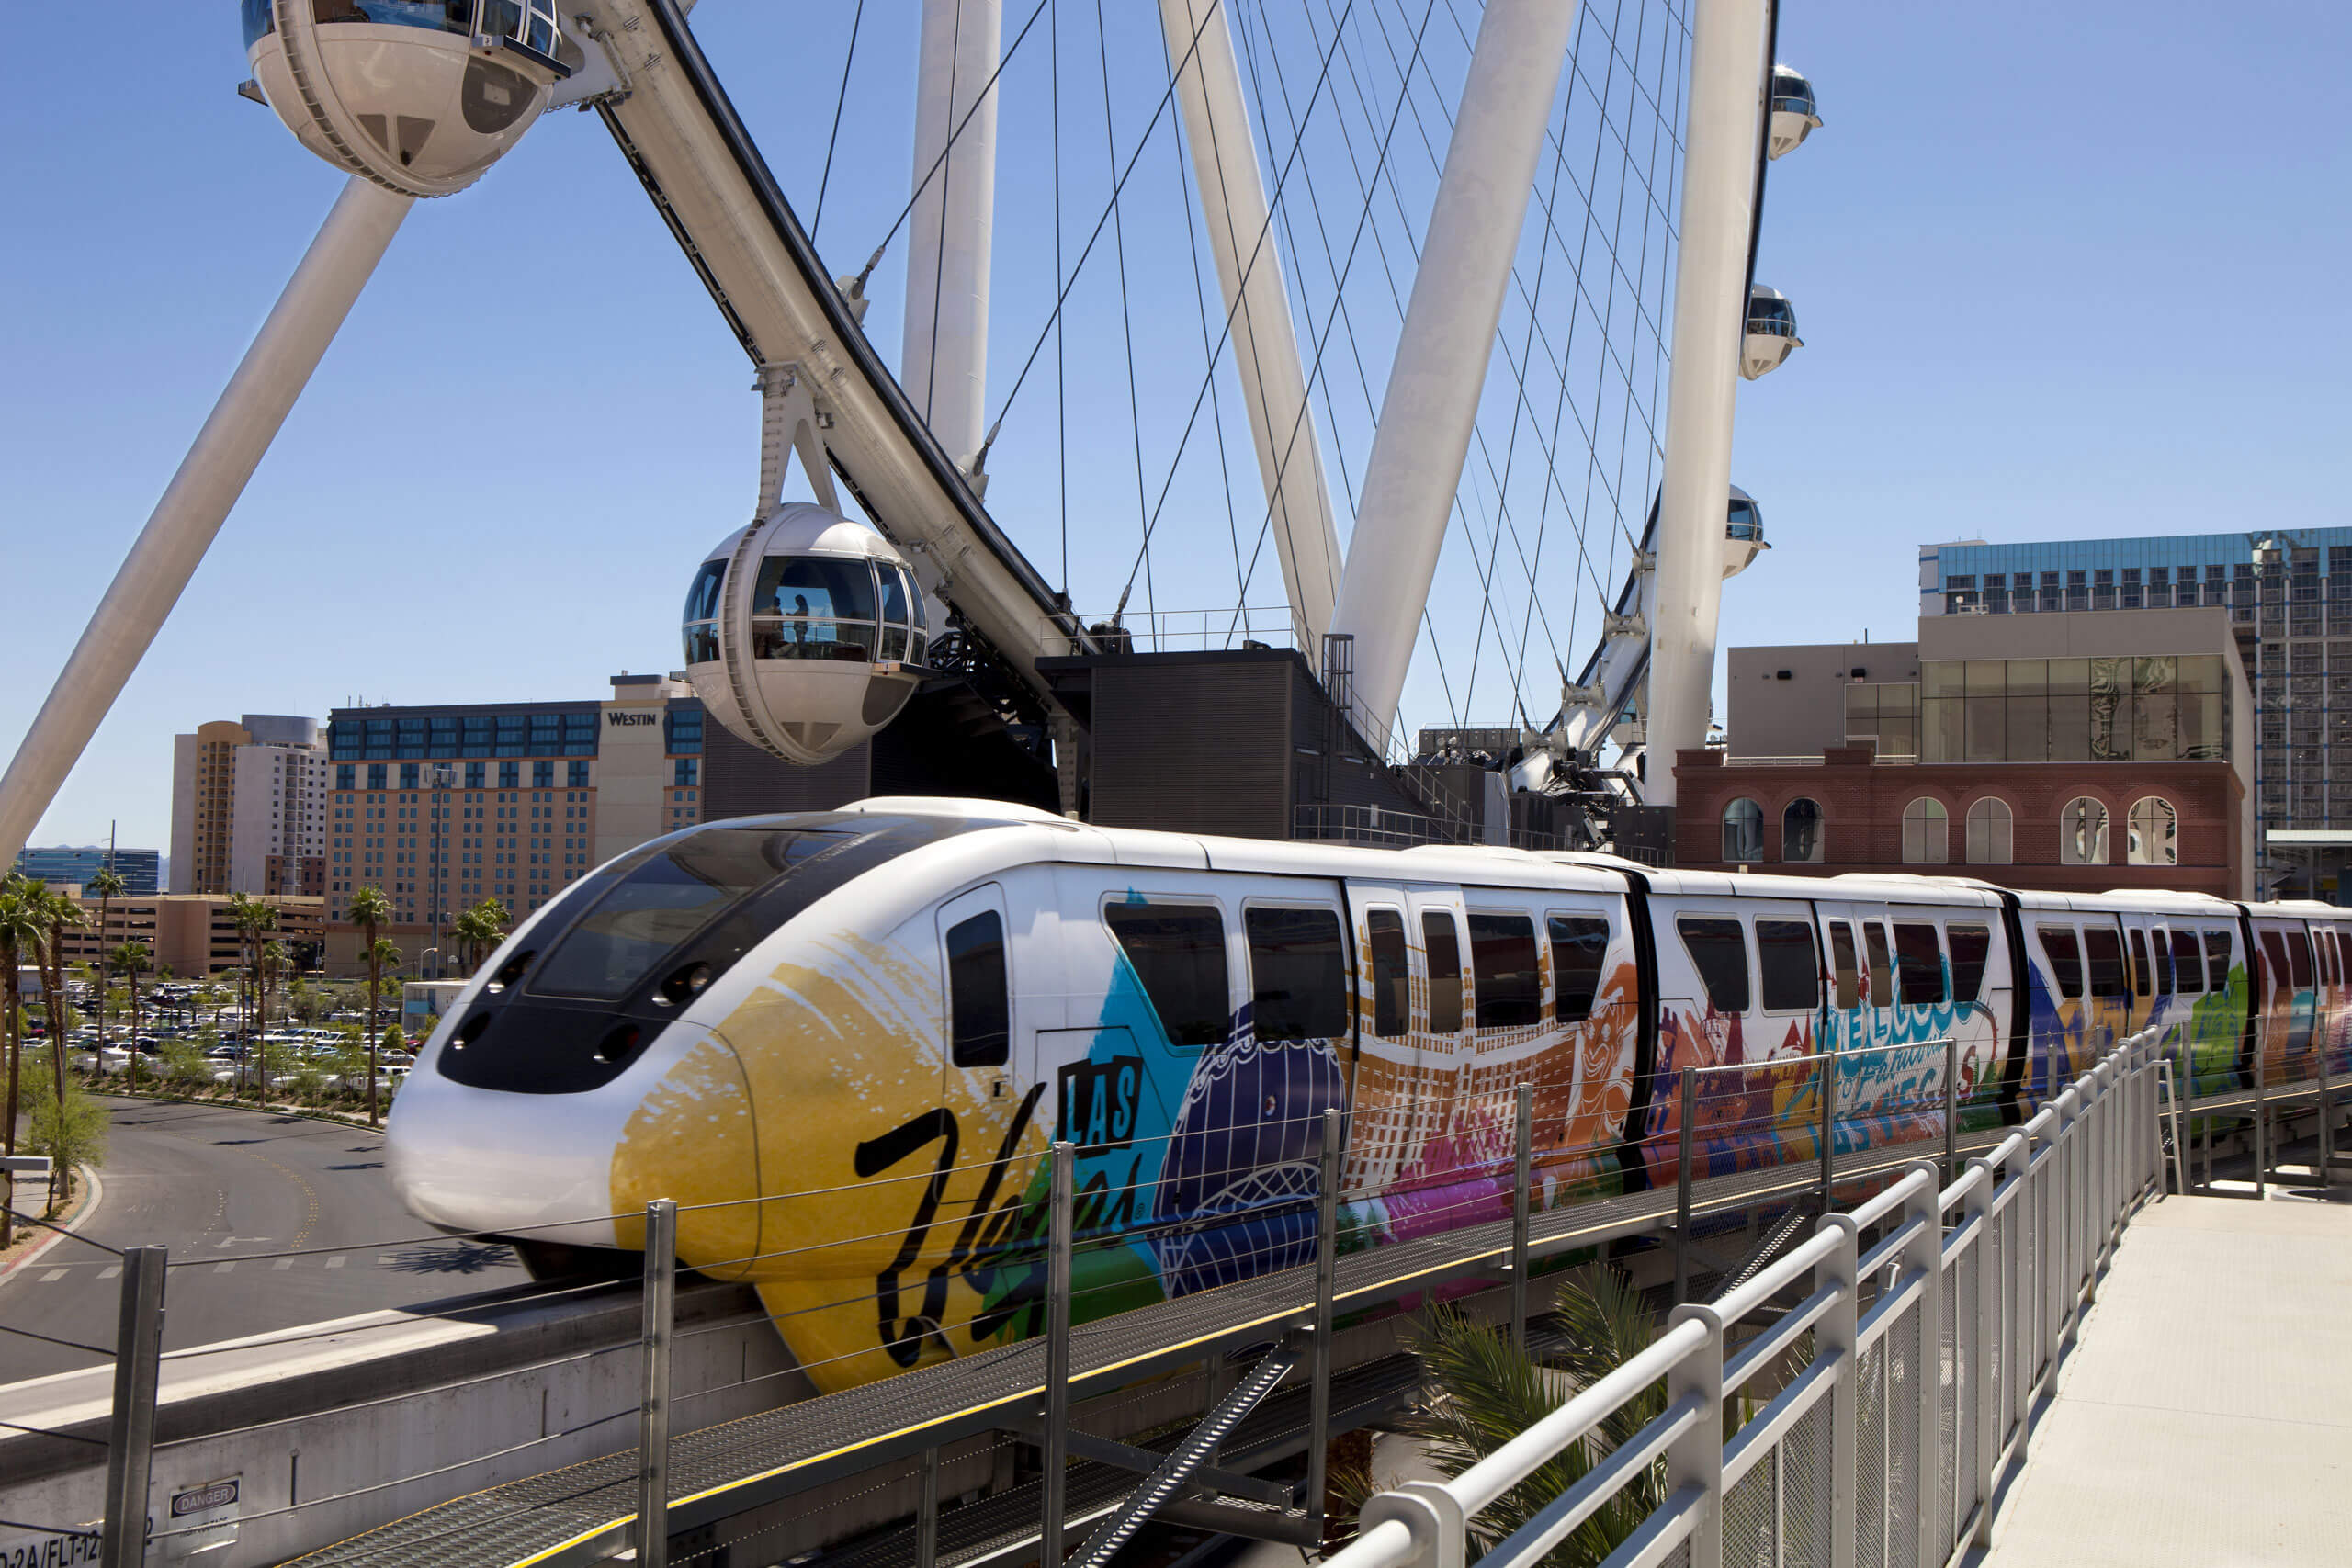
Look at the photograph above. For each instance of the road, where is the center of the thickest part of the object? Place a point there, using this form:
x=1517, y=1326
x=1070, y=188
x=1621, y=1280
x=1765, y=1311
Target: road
x=224, y=1188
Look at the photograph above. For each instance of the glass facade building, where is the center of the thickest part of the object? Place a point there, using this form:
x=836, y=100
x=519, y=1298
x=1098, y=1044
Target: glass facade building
x=141, y=869
x=2288, y=594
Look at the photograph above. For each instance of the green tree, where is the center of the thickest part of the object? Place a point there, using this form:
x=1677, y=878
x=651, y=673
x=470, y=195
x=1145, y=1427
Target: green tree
x=371, y=911
x=20, y=933
x=479, y=930
x=68, y=1126
x=255, y=919
x=128, y=960
x=1478, y=1394
x=107, y=887
x=59, y=914
x=382, y=951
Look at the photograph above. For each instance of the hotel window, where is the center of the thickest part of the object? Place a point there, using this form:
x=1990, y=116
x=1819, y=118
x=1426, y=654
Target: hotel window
x=2159, y=588
x=474, y=771
x=2078, y=593
x=2154, y=832
x=1989, y=832
x=2082, y=832
x=2049, y=592
x=1742, y=832
x=1926, y=834
x=685, y=770
x=2130, y=598
x=576, y=773
x=345, y=775
x=375, y=775
x=542, y=774
x=510, y=775
x=2103, y=589
x=1801, y=831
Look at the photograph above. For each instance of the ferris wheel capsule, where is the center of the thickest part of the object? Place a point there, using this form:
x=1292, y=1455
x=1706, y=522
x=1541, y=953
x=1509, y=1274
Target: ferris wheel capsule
x=804, y=633
x=1772, y=332
x=1742, y=532
x=418, y=96
x=1795, y=116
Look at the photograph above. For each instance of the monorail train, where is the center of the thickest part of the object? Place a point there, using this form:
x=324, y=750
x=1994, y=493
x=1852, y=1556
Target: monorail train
x=842, y=1042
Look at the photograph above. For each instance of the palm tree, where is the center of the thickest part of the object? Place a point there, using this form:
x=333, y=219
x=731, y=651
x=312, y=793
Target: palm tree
x=381, y=953
x=108, y=885
x=276, y=964
x=1478, y=1394
x=127, y=961
x=255, y=919
x=20, y=927
x=479, y=930
x=58, y=913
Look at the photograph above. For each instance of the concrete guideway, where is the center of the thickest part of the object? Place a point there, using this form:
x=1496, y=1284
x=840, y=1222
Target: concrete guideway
x=2205, y=1417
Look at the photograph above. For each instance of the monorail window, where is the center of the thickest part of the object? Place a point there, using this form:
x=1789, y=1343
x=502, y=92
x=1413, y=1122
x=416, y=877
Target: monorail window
x=1882, y=971
x=1718, y=951
x=1789, y=963
x=2059, y=946
x=2162, y=953
x=1392, y=974
x=2217, y=961
x=1845, y=968
x=979, y=1006
x=2103, y=961
x=1502, y=962
x=1177, y=955
x=1972, y=947
x=2275, y=950
x=1919, y=963
x=664, y=901
x=1579, y=946
x=2187, y=963
x=1298, y=979
x=2298, y=959
x=1442, y=940
x=2140, y=976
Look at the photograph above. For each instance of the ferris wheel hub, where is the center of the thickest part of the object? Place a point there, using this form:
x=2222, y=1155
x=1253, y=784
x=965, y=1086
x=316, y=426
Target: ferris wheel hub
x=420, y=97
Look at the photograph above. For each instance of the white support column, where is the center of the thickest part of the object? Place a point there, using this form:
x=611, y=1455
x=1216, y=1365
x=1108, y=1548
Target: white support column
x=211, y=478
x=1431, y=404
x=1265, y=349
x=1727, y=77
x=944, y=362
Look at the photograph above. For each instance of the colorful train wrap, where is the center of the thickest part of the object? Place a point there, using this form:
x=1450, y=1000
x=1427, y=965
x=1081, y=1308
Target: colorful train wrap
x=842, y=1043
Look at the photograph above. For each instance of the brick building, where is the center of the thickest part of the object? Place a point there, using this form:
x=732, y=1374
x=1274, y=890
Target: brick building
x=2071, y=752
x=2017, y=824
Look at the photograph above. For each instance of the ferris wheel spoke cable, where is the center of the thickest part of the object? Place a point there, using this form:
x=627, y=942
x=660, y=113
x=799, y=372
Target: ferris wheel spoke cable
x=816, y=218
x=1332, y=316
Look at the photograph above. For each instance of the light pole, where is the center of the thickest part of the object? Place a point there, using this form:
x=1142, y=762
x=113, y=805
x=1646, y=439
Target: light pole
x=443, y=776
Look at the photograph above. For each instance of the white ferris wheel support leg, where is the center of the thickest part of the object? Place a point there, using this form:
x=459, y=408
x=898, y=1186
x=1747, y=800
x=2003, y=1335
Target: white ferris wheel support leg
x=1727, y=78
x=211, y=478
x=1266, y=351
x=1431, y=404
x=943, y=362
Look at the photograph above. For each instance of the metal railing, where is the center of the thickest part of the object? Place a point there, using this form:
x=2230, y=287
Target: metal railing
x=1198, y=631
x=1897, y=1417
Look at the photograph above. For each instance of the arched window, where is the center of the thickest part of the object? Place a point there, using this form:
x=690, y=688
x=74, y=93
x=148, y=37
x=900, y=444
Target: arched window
x=1742, y=832
x=1801, y=830
x=1927, y=836
x=2082, y=832
x=2155, y=828
x=1988, y=832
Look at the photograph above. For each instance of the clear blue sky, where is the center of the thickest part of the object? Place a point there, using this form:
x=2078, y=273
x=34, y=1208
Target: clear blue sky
x=2061, y=271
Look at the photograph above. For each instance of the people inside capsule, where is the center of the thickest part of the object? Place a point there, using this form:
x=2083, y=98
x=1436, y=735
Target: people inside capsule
x=533, y=25
x=822, y=607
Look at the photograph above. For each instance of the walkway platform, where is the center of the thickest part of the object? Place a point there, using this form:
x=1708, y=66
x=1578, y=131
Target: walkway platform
x=2205, y=1414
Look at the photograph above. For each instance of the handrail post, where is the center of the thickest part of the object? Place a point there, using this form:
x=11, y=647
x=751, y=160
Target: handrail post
x=1839, y=1334
x=1825, y=1091
x=1696, y=1458
x=2326, y=1124
x=1052, y=1506
x=1978, y=1206
x=927, y=1511
x=1522, y=1179
x=1682, y=1187
x=2261, y=1123
x=131, y=1434
x=1326, y=1284
x=1952, y=1108
x=1925, y=1253
x=653, y=1406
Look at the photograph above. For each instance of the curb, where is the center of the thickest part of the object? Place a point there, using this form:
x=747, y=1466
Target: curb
x=355, y=1123
x=93, y=1192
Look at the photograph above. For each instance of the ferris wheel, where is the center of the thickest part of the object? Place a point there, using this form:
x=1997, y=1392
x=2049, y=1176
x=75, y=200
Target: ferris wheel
x=1482, y=283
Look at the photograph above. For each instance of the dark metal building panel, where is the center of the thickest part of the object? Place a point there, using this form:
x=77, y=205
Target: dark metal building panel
x=741, y=780
x=1194, y=747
